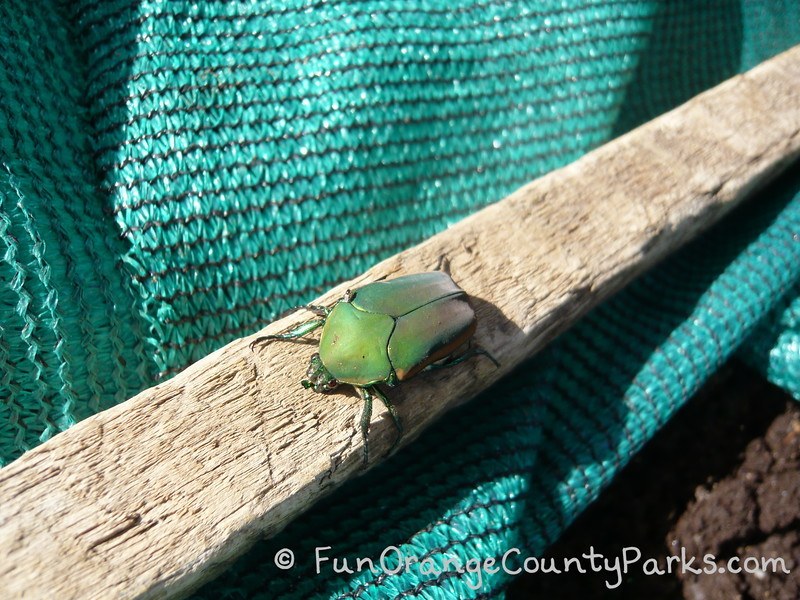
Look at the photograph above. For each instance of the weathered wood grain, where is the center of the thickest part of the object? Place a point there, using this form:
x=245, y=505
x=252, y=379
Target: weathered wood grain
x=149, y=498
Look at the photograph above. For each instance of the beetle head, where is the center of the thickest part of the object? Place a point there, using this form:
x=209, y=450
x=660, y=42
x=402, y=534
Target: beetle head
x=319, y=378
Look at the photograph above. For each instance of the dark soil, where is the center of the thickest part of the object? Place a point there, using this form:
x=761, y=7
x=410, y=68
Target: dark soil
x=754, y=512
x=722, y=478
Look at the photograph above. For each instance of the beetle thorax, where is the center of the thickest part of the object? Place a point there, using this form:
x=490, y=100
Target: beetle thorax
x=319, y=378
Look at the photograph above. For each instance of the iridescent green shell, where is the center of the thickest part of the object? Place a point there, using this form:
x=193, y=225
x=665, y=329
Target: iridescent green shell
x=390, y=330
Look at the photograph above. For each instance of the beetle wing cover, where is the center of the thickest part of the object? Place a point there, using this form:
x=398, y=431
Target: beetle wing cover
x=400, y=296
x=430, y=333
x=353, y=345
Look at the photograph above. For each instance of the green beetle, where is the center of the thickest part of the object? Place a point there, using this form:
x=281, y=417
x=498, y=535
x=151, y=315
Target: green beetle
x=387, y=332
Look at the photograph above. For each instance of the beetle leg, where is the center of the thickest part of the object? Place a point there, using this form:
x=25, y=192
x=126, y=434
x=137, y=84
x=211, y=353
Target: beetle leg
x=393, y=412
x=299, y=331
x=443, y=264
x=320, y=311
x=482, y=352
x=365, y=418
x=317, y=309
x=467, y=355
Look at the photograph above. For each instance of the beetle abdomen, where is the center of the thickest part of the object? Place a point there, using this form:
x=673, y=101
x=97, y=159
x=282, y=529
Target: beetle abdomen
x=354, y=345
x=430, y=333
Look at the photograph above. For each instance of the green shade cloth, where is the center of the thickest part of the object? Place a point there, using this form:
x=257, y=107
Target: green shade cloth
x=175, y=174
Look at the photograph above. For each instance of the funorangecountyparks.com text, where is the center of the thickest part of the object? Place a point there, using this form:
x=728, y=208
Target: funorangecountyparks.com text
x=392, y=561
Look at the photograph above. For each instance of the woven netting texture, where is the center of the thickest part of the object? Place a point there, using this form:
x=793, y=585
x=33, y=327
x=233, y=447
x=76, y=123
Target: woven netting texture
x=175, y=174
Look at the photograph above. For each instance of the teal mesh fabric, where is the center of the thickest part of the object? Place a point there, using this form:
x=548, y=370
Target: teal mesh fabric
x=774, y=348
x=174, y=174
x=514, y=467
x=72, y=341
x=254, y=155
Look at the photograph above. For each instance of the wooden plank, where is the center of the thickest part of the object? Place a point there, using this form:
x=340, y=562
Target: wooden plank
x=149, y=498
